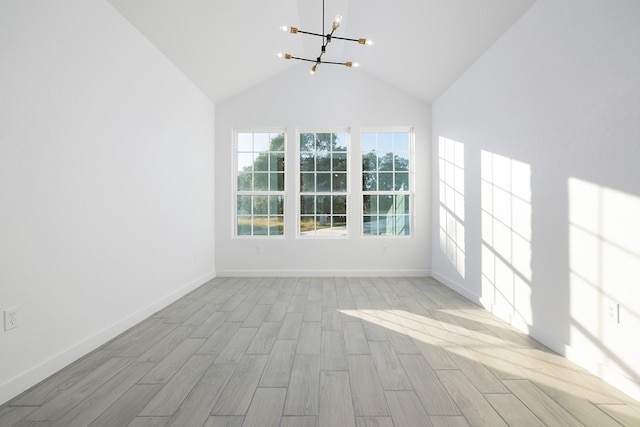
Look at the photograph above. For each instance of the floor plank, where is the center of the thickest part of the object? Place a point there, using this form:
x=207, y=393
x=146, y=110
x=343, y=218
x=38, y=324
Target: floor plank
x=366, y=390
x=266, y=408
x=288, y=421
x=166, y=402
x=148, y=422
x=406, y=409
x=333, y=356
x=210, y=325
x=449, y=421
x=237, y=346
x=197, y=406
x=256, y=316
x=304, y=386
x=167, y=367
x=335, y=400
x=434, y=397
x=374, y=422
x=61, y=403
x=355, y=338
x=390, y=370
x=10, y=415
x=265, y=338
x=626, y=415
x=471, y=402
x=278, y=369
x=217, y=421
x=545, y=408
x=356, y=351
x=158, y=351
x=219, y=338
x=125, y=409
x=99, y=401
x=64, y=379
x=237, y=394
x=291, y=325
x=513, y=411
x=310, y=338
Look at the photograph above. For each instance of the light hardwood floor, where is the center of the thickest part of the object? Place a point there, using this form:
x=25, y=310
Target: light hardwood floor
x=365, y=352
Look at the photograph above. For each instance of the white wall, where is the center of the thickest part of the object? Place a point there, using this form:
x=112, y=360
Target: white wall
x=552, y=109
x=333, y=97
x=106, y=183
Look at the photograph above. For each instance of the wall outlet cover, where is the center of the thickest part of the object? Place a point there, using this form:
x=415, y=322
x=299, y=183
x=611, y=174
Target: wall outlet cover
x=11, y=319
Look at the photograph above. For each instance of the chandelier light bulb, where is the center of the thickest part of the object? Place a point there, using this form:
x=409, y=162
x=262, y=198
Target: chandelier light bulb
x=284, y=28
x=313, y=70
x=336, y=22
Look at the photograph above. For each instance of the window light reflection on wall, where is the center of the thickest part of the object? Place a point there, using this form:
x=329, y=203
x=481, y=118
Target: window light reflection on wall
x=451, y=169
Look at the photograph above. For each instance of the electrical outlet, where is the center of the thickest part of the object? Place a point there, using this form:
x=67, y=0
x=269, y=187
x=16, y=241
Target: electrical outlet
x=613, y=312
x=11, y=318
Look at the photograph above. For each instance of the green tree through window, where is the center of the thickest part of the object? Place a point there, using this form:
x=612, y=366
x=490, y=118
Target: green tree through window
x=386, y=184
x=323, y=183
x=260, y=158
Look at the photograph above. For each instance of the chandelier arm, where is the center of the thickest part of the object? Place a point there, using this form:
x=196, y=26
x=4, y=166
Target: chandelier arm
x=311, y=34
x=330, y=62
x=304, y=59
x=318, y=62
x=345, y=38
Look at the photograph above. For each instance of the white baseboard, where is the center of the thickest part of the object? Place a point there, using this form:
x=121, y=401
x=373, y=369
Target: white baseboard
x=323, y=273
x=450, y=283
x=16, y=385
x=600, y=369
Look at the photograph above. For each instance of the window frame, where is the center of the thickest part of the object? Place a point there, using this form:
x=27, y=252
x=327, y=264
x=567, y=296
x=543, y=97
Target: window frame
x=346, y=193
x=410, y=193
x=268, y=192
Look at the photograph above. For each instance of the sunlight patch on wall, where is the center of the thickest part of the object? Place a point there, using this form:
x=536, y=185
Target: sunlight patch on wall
x=604, y=260
x=451, y=166
x=506, y=237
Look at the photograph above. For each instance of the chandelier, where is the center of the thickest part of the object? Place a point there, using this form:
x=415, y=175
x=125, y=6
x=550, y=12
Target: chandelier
x=326, y=40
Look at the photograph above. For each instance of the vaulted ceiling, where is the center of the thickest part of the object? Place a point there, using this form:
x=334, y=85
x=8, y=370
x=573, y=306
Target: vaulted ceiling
x=227, y=46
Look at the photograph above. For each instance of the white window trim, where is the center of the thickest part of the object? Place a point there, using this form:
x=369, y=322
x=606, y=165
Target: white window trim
x=412, y=183
x=234, y=180
x=347, y=131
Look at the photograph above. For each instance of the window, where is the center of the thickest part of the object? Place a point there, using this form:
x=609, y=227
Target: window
x=386, y=183
x=260, y=182
x=323, y=184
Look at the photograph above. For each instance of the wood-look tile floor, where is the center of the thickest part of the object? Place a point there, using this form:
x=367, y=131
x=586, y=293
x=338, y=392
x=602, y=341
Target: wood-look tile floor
x=332, y=352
